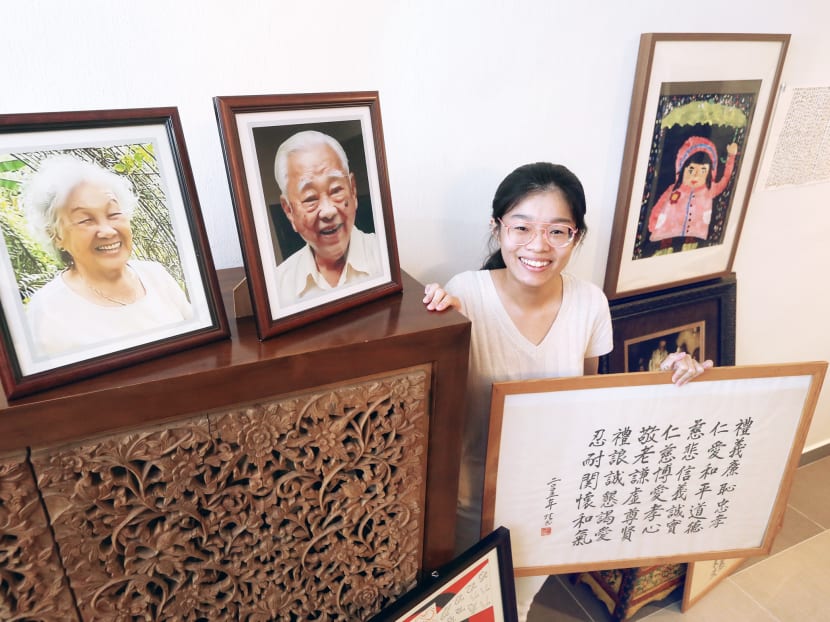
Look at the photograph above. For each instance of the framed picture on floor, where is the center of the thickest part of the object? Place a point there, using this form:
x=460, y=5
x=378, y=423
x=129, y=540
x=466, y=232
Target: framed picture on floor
x=700, y=108
x=312, y=201
x=104, y=260
x=620, y=470
x=703, y=576
x=697, y=318
x=477, y=585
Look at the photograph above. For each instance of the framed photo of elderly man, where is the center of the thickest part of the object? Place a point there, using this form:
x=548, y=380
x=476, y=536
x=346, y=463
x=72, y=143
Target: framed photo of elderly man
x=104, y=260
x=312, y=202
x=700, y=108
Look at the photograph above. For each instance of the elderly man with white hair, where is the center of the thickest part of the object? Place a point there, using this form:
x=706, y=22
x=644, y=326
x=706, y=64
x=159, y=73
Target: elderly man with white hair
x=319, y=197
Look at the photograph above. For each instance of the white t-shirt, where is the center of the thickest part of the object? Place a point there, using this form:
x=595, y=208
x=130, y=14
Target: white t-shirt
x=61, y=320
x=499, y=352
x=297, y=277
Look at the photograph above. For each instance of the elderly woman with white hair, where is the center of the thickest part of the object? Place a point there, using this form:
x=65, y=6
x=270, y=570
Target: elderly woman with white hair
x=81, y=212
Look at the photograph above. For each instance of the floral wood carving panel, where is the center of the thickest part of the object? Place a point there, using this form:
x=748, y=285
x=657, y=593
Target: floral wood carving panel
x=32, y=584
x=302, y=507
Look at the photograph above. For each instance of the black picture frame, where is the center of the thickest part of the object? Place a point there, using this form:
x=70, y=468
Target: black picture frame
x=148, y=142
x=437, y=591
x=640, y=322
x=252, y=127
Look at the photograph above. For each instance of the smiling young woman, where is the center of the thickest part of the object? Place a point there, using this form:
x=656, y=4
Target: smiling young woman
x=530, y=318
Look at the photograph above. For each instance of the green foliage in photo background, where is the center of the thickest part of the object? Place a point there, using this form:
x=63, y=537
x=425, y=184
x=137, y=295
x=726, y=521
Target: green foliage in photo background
x=153, y=237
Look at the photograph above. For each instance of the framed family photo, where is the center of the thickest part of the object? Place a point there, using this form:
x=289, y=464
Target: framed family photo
x=621, y=470
x=477, y=585
x=700, y=109
x=104, y=260
x=311, y=196
x=697, y=318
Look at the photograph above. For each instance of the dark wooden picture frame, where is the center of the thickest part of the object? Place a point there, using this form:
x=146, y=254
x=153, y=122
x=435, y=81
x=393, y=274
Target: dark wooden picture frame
x=479, y=582
x=641, y=322
x=700, y=102
x=142, y=151
x=252, y=128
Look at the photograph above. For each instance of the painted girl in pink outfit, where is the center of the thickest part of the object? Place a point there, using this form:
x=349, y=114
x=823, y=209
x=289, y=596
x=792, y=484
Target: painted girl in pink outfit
x=685, y=209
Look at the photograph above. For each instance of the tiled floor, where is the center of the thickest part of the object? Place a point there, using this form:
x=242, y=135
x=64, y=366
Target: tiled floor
x=791, y=584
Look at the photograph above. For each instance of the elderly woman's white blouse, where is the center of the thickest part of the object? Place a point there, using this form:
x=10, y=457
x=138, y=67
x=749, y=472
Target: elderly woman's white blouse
x=61, y=320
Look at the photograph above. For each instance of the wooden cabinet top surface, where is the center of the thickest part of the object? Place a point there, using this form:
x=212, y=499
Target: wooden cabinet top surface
x=390, y=333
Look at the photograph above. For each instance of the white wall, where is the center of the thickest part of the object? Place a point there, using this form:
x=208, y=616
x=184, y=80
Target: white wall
x=468, y=91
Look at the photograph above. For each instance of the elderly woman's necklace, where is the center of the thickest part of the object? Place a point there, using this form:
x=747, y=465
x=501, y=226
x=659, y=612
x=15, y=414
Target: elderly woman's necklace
x=101, y=294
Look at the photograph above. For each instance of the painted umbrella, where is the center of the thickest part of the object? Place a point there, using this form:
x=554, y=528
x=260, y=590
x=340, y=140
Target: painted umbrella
x=704, y=113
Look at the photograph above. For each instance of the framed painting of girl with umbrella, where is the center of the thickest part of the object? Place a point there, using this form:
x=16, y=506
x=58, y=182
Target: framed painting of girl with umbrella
x=699, y=113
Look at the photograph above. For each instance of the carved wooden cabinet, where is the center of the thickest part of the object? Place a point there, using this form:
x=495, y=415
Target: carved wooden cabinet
x=309, y=476
x=32, y=585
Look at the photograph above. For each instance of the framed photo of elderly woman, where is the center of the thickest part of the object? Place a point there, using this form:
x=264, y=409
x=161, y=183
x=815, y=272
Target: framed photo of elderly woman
x=312, y=201
x=700, y=108
x=104, y=260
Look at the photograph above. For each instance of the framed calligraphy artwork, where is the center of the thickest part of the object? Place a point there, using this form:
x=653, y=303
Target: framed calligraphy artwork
x=620, y=470
x=700, y=108
x=703, y=576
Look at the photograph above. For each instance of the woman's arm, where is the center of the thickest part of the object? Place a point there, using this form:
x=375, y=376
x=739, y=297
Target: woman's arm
x=591, y=366
x=685, y=367
x=436, y=298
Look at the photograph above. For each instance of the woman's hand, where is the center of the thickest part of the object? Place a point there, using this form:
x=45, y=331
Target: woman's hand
x=437, y=299
x=685, y=367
